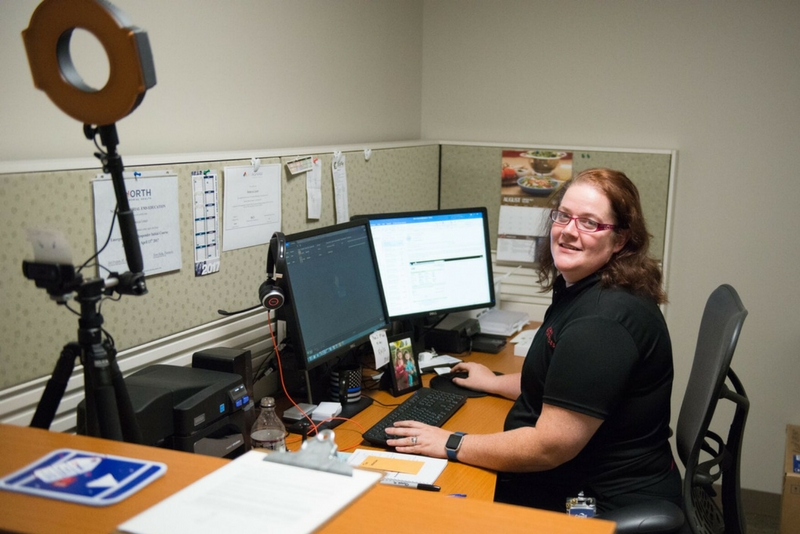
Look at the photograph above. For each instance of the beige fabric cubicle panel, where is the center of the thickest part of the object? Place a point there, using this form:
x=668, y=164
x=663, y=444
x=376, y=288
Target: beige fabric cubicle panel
x=33, y=329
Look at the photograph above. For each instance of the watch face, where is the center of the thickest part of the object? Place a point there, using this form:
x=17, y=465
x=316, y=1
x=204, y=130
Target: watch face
x=453, y=442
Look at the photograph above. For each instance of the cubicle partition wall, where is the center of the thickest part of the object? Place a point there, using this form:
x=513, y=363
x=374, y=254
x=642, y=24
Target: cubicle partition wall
x=470, y=175
x=179, y=314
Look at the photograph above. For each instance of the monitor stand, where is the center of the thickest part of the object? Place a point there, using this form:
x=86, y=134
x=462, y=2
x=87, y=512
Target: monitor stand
x=418, y=328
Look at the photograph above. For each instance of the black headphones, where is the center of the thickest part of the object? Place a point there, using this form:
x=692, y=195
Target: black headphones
x=269, y=294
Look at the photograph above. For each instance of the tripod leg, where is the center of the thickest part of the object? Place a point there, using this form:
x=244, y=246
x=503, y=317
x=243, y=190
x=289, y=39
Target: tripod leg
x=54, y=390
x=127, y=416
x=102, y=417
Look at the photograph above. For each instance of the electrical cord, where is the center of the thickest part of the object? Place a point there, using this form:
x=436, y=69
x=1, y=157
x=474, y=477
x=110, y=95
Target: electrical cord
x=264, y=366
x=314, y=427
x=108, y=240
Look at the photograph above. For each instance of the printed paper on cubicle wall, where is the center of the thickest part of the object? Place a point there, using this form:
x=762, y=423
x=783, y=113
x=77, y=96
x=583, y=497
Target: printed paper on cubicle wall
x=340, y=187
x=314, y=189
x=153, y=199
x=252, y=205
x=529, y=178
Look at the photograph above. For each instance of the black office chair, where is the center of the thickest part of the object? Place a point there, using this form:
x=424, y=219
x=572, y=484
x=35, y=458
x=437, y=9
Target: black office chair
x=722, y=321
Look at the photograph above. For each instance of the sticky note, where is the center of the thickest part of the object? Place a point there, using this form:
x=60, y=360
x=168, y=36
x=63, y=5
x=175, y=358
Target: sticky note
x=394, y=465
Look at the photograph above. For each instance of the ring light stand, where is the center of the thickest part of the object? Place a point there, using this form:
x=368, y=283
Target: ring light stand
x=109, y=412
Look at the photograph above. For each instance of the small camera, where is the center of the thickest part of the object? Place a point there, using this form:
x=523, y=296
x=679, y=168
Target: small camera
x=57, y=278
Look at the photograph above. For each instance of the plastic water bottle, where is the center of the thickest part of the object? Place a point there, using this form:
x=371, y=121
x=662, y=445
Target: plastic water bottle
x=268, y=432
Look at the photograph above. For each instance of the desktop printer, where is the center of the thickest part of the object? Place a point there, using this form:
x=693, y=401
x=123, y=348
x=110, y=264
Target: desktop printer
x=188, y=409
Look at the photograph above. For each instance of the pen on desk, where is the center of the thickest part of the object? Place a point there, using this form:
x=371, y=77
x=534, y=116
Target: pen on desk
x=409, y=484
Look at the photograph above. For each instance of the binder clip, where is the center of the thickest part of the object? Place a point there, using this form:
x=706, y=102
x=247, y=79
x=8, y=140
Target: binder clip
x=256, y=163
x=317, y=453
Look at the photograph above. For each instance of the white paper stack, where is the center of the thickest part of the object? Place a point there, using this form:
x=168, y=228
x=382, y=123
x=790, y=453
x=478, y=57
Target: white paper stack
x=502, y=322
x=326, y=410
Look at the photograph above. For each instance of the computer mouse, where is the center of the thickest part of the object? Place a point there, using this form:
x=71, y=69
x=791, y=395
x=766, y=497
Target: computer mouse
x=456, y=374
x=445, y=383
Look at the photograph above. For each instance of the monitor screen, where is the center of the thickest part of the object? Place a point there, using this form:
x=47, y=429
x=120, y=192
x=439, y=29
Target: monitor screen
x=433, y=262
x=333, y=297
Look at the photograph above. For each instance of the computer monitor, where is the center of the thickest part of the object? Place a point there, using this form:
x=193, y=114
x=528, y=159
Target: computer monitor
x=333, y=299
x=433, y=262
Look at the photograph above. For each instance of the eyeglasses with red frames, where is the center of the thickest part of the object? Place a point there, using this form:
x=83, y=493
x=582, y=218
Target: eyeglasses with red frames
x=581, y=223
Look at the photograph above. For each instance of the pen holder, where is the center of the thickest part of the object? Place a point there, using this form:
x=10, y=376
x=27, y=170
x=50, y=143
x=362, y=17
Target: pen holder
x=346, y=384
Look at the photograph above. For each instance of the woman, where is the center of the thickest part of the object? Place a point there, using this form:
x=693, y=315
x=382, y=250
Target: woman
x=401, y=376
x=411, y=369
x=592, y=404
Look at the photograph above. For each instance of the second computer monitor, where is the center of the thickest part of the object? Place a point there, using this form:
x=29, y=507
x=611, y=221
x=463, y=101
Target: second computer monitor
x=433, y=262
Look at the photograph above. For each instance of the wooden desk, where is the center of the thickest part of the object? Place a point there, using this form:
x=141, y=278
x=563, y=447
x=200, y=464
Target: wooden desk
x=376, y=511
x=478, y=415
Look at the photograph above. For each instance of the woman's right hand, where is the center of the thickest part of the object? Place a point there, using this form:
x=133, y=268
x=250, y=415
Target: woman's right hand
x=479, y=377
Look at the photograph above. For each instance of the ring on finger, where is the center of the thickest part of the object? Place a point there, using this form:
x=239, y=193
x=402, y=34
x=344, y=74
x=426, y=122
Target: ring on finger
x=413, y=440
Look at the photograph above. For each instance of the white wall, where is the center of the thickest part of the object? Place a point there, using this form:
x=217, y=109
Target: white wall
x=235, y=75
x=719, y=82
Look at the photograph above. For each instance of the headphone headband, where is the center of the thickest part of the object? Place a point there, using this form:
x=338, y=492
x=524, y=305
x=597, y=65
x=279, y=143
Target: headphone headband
x=276, y=255
x=269, y=294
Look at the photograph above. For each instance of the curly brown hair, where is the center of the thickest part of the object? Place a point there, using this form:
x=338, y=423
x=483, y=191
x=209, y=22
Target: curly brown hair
x=630, y=268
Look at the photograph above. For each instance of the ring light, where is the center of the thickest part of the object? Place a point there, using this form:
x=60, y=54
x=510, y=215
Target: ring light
x=131, y=71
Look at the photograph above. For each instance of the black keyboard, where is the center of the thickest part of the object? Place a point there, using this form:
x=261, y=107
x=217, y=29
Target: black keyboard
x=429, y=406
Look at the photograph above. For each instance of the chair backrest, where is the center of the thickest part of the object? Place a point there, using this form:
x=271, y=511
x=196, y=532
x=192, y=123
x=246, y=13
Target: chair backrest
x=721, y=324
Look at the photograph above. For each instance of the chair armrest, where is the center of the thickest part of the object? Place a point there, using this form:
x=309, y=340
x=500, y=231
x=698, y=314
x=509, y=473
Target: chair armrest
x=662, y=517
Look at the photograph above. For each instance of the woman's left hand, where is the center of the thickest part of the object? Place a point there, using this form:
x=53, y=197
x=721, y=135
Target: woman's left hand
x=413, y=437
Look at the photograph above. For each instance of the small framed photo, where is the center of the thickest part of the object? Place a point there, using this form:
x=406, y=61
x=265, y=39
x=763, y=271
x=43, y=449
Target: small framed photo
x=403, y=365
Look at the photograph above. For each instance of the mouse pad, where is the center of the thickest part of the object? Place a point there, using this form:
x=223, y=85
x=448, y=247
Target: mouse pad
x=445, y=383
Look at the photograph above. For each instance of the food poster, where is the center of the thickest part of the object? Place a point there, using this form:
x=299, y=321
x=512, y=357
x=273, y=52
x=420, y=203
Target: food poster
x=529, y=178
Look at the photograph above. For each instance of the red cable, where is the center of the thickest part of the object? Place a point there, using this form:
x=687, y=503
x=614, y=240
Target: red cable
x=286, y=392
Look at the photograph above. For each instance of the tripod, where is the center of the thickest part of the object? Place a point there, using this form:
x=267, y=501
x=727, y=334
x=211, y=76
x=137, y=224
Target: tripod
x=109, y=411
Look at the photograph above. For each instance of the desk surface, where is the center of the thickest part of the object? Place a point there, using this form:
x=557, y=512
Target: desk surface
x=478, y=415
x=373, y=512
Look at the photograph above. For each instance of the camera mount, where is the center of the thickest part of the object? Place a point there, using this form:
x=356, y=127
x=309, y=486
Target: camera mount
x=109, y=412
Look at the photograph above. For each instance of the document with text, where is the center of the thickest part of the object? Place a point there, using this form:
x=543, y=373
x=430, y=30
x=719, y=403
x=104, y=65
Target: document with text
x=251, y=495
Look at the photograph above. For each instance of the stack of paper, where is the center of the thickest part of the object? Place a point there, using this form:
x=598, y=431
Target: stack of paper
x=440, y=360
x=251, y=495
x=395, y=465
x=502, y=322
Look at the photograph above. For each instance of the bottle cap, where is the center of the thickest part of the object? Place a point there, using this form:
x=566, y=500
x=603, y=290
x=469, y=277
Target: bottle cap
x=267, y=402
